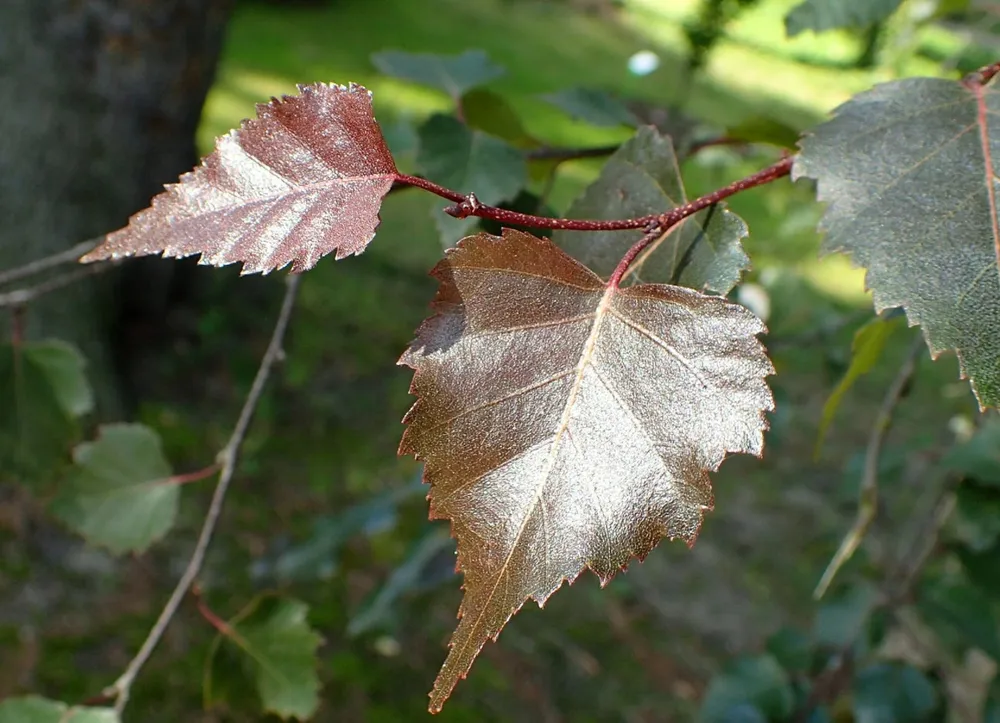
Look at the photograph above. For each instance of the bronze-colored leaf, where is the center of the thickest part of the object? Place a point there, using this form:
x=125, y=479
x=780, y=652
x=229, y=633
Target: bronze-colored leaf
x=568, y=424
x=305, y=178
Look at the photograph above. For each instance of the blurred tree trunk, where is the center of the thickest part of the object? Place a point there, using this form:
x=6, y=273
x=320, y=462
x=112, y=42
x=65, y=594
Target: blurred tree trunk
x=100, y=101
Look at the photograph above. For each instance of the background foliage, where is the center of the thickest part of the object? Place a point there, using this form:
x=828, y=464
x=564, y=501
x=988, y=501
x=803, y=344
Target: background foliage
x=324, y=513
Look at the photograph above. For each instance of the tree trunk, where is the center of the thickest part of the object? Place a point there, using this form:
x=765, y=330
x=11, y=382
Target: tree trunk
x=100, y=101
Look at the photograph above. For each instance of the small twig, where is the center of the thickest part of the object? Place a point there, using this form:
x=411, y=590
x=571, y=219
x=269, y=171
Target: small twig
x=924, y=540
x=20, y=297
x=656, y=226
x=227, y=459
x=210, y=615
x=868, y=493
x=982, y=76
x=896, y=589
x=196, y=476
x=63, y=257
x=468, y=205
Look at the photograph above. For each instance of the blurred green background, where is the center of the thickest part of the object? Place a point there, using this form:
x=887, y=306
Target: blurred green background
x=324, y=510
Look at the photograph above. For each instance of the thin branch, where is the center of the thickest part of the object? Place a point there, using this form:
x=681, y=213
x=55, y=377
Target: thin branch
x=896, y=589
x=211, y=616
x=868, y=493
x=982, y=76
x=227, y=458
x=63, y=257
x=657, y=225
x=468, y=205
x=20, y=297
x=196, y=476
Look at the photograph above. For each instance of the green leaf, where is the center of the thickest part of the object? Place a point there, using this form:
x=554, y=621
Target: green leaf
x=910, y=187
x=452, y=230
x=758, y=682
x=991, y=708
x=760, y=129
x=979, y=458
x=405, y=578
x=745, y=713
x=470, y=161
x=961, y=614
x=842, y=617
x=640, y=178
x=454, y=74
x=866, y=350
x=596, y=107
x=792, y=649
x=820, y=15
x=120, y=494
x=978, y=516
x=486, y=111
x=981, y=568
x=33, y=709
x=65, y=367
x=279, y=649
x=315, y=558
x=41, y=384
x=682, y=128
x=893, y=693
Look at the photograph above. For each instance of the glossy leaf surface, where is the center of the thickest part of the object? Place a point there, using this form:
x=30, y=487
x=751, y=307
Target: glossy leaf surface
x=567, y=425
x=642, y=177
x=909, y=170
x=120, y=495
x=302, y=180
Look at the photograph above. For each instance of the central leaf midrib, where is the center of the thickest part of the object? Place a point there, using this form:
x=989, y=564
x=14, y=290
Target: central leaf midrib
x=585, y=356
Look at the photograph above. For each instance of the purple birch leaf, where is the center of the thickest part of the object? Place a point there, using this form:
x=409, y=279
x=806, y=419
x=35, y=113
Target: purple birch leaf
x=303, y=179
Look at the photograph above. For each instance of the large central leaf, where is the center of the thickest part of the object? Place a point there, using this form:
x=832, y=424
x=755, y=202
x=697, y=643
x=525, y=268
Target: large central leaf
x=910, y=171
x=566, y=424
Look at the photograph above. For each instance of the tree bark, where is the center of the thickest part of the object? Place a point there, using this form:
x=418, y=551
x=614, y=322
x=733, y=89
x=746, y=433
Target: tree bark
x=100, y=102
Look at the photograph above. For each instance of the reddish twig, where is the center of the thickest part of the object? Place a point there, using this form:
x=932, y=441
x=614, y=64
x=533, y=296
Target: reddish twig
x=656, y=226
x=982, y=76
x=468, y=205
x=196, y=476
x=210, y=615
x=453, y=196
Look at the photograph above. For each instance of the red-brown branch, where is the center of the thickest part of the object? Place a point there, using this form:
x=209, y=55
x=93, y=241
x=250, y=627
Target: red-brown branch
x=468, y=205
x=982, y=76
x=659, y=225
